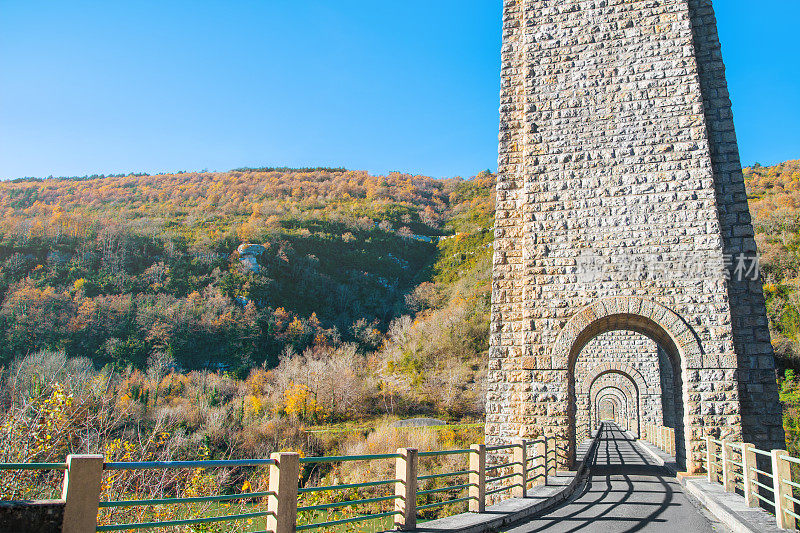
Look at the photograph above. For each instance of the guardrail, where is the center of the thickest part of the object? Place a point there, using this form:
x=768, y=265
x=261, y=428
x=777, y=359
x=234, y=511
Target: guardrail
x=740, y=467
x=662, y=437
x=513, y=467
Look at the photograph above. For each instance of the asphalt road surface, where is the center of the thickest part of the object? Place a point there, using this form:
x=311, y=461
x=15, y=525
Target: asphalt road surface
x=626, y=492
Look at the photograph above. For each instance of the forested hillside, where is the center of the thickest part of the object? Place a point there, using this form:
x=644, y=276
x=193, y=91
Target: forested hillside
x=122, y=268
x=774, y=195
x=136, y=323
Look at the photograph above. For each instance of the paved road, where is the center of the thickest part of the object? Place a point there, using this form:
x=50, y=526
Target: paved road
x=626, y=492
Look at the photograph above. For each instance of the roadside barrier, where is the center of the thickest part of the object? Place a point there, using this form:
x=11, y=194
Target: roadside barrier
x=514, y=468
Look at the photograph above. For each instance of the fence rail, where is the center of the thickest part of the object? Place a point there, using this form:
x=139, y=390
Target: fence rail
x=769, y=484
x=740, y=467
x=512, y=470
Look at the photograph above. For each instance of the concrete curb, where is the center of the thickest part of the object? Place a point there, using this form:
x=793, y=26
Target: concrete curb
x=508, y=511
x=559, y=488
x=660, y=457
x=730, y=508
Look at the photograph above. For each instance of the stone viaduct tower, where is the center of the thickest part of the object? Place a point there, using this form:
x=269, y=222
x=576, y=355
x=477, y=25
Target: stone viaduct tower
x=624, y=263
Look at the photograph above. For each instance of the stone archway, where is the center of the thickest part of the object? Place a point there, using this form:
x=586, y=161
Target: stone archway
x=612, y=403
x=620, y=384
x=654, y=321
x=625, y=409
x=584, y=400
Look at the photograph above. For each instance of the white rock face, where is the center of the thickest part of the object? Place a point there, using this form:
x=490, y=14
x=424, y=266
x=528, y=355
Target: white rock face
x=248, y=255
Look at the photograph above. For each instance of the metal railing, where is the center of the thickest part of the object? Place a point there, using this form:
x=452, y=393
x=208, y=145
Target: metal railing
x=514, y=467
x=159, y=465
x=735, y=466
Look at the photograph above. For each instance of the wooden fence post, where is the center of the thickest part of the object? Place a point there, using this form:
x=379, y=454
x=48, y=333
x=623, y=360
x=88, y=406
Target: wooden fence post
x=520, y=459
x=477, y=478
x=81, y=492
x=782, y=471
x=283, y=478
x=711, y=453
x=405, y=488
x=748, y=475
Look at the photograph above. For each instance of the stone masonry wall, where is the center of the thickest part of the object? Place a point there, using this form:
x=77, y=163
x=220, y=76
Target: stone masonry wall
x=619, y=199
x=38, y=516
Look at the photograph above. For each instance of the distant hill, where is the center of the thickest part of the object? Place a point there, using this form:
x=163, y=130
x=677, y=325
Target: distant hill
x=120, y=268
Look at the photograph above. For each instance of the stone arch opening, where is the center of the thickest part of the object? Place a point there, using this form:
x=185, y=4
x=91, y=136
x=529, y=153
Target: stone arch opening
x=610, y=408
x=621, y=385
x=624, y=411
x=611, y=373
x=678, y=349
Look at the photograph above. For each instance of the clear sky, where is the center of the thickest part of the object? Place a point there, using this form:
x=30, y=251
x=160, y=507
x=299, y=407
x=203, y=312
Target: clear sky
x=141, y=85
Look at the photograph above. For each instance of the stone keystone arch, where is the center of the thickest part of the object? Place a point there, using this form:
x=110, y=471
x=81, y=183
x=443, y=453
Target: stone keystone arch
x=643, y=316
x=621, y=368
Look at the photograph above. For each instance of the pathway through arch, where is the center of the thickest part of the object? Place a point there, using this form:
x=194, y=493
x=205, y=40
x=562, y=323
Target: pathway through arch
x=626, y=492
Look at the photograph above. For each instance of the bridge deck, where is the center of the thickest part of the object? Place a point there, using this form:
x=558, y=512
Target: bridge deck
x=626, y=492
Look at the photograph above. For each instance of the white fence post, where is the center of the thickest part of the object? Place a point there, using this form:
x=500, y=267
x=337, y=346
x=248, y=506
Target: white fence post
x=782, y=471
x=477, y=478
x=711, y=453
x=283, y=478
x=520, y=459
x=748, y=475
x=81, y=492
x=540, y=459
x=727, y=473
x=551, y=456
x=405, y=488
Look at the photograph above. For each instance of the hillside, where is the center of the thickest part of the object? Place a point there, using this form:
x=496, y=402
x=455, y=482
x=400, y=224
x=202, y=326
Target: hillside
x=123, y=268
x=136, y=324
x=774, y=197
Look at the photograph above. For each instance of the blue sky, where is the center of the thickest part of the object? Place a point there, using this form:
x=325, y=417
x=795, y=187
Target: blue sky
x=119, y=86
